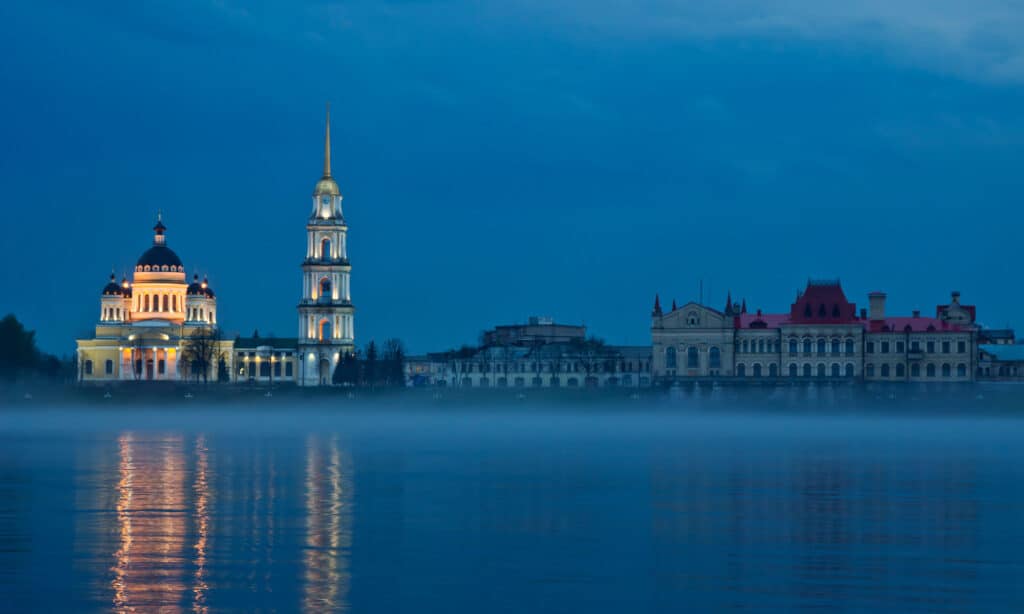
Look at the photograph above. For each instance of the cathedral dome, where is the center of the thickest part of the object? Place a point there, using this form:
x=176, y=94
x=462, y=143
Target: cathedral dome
x=159, y=256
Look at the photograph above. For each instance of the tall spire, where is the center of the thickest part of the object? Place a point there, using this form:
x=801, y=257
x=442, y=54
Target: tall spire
x=327, y=144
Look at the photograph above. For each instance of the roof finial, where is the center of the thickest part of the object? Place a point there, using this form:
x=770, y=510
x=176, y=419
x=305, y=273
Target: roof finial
x=327, y=144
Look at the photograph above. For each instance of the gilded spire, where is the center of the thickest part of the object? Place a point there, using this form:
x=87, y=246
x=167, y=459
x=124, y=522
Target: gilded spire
x=327, y=144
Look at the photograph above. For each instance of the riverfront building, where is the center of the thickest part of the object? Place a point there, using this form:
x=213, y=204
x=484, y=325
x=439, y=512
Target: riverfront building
x=821, y=336
x=156, y=327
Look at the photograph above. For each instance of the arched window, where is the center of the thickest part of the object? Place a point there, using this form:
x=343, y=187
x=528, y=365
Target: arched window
x=807, y=346
x=715, y=358
x=670, y=358
x=821, y=346
x=692, y=359
x=745, y=347
x=167, y=303
x=930, y=370
x=849, y=346
x=146, y=303
x=946, y=370
x=835, y=346
x=849, y=369
x=821, y=369
x=792, y=346
x=901, y=370
x=741, y=370
x=760, y=346
x=757, y=370
x=807, y=369
x=961, y=370
x=325, y=249
x=325, y=330
x=869, y=370
x=325, y=288
x=773, y=370
x=792, y=369
x=174, y=302
x=885, y=370
x=915, y=370
x=835, y=369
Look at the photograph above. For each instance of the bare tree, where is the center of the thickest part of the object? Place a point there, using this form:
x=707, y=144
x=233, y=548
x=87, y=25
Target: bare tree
x=201, y=352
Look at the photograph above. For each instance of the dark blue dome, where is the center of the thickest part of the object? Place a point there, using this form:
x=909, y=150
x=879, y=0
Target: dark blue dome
x=159, y=256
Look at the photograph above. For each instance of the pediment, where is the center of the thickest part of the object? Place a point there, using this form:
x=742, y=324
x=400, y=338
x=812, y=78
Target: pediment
x=694, y=315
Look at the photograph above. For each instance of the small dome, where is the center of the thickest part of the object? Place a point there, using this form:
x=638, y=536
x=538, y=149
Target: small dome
x=326, y=187
x=199, y=289
x=113, y=288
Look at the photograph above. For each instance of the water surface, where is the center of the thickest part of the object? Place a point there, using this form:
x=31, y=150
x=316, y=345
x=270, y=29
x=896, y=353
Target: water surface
x=517, y=510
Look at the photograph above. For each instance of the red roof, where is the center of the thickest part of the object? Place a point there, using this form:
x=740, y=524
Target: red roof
x=771, y=320
x=823, y=302
x=917, y=325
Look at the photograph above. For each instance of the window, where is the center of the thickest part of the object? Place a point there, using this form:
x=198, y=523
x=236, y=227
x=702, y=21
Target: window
x=692, y=359
x=691, y=318
x=835, y=369
x=807, y=370
x=821, y=369
x=961, y=347
x=900, y=370
x=870, y=347
x=277, y=369
x=757, y=370
x=930, y=346
x=869, y=370
x=885, y=370
x=744, y=346
x=760, y=346
x=821, y=346
x=792, y=346
x=885, y=347
x=670, y=358
x=849, y=346
x=741, y=370
x=325, y=249
x=945, y=347
x=900, y=347
x=946, y=370
x=161, y=366
x=88, y=367
x=961, y=369
x=715, y=358
x=915, y=370
x=835, y=346
x=915, y=346
x=930, y=370
x=773, y=370
x=807, y=346
x=792, y=370
x=288, y=369
x=108, y=367
x=849, y=369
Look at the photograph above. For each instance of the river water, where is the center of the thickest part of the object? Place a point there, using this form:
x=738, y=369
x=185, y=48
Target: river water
x=508, y=510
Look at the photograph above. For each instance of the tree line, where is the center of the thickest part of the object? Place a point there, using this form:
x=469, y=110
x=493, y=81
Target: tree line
x=21, y=359
x=373, y=367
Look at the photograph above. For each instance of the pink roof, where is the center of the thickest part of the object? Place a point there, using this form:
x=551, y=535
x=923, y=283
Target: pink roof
x=917, y=325
x=823, y=302
x=771, y=320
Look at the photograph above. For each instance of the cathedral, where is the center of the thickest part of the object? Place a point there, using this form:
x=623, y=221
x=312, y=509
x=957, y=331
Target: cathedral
x=158, y=327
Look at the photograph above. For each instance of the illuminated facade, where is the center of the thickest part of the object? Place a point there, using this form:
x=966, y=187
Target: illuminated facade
x=326, y=326
x=146, y=325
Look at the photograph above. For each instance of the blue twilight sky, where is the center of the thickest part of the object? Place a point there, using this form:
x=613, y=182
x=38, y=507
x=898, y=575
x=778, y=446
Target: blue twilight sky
x=516, y=157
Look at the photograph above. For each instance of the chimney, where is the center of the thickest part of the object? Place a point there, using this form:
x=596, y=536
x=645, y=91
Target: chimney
x=863, y=314
x=876, y=306
x=956, y=297
x=917, y=313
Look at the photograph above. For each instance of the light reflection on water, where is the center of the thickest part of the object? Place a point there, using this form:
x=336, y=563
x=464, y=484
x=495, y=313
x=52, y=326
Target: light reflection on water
x=530, y=514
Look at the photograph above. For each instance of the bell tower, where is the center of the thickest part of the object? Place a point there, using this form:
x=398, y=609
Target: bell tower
x=326, y=327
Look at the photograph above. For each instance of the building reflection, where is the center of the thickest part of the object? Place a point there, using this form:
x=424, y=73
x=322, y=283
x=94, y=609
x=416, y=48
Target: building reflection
x=328, y=507
x=152, y=518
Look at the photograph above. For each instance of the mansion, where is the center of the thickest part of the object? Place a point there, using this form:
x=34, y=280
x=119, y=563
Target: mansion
x=822, y=336
x=158, y=327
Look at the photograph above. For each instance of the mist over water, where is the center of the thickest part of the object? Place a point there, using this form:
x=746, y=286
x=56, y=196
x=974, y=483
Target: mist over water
x=507, y=510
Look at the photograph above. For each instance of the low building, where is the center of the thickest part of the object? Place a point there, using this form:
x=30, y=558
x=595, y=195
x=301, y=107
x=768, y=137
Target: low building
x=540, y=354
x=265, y=360
x=1000, y=362
x=821, y=336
